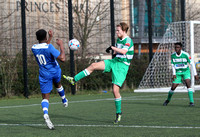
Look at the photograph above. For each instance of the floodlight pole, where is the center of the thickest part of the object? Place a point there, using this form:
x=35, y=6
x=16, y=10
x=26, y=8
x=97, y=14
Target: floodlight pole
x=72, y=67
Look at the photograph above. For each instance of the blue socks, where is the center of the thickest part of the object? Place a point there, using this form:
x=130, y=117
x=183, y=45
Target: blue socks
x=61, y=92
x=45, y=102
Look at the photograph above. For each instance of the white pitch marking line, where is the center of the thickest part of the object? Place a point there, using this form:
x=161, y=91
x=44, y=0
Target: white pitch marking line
x=151, y=99
x=124, y=98
x=115, y=126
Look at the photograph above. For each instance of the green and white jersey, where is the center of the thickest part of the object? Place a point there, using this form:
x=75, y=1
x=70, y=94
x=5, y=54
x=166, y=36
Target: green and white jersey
x=181, y=61
x=126, y=44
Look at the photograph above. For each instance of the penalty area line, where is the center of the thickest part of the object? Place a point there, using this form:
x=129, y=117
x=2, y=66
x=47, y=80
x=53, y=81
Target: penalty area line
x=111, y=126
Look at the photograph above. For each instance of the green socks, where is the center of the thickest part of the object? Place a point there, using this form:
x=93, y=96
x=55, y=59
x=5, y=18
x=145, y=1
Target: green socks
x=118, y=105
x=81, y=75
x=171, y=92
x=190, y=95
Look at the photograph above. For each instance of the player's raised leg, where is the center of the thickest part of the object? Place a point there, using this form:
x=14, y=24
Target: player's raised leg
x=61, y=92
x=59, y=87
x=79, y=76
x=86, y=72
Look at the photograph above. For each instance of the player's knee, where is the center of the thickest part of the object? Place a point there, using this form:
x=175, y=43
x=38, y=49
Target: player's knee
x=188, y=85
x=92, y=66
x=58, y=85
x=115, y=91
x=187, y=82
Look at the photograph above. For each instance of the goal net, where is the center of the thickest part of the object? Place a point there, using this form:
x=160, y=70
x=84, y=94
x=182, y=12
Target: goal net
x=158, y=76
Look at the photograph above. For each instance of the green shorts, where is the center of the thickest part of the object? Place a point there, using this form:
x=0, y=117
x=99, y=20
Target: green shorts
x=119, y=70
x=185, y=75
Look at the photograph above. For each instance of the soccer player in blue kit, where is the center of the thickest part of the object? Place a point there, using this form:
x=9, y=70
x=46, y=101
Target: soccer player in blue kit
x=49, y=69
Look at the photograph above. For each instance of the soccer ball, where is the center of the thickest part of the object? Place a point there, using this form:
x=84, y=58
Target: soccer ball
x=74, y=44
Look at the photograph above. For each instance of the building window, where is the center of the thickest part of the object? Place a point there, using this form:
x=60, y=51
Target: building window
x=163, y=12
x=135, y=18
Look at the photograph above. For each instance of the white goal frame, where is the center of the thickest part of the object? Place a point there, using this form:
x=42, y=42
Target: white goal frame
x=180, y=88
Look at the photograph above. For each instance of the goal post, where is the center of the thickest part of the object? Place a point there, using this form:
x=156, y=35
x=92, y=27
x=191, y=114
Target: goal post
x=158, y=76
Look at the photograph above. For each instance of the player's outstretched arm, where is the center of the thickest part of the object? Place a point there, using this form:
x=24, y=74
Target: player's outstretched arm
x=61, y=57
x=50, y=36
x=194, y=70
x=122, y=51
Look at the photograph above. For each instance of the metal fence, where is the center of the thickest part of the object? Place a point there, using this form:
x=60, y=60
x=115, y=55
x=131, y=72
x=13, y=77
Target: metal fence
x=91, y=27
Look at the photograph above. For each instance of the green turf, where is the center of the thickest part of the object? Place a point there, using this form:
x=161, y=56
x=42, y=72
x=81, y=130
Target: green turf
x=93, y=115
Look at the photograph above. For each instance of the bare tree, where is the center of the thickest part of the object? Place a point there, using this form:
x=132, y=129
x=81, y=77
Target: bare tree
x=7, y=62
x=91, y=23
x=192, y=10
x=89, y=20
x=4, y=27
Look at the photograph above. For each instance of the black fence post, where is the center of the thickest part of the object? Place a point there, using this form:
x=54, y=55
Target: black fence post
x=72, y=67
x=23, y=24
x=182, y=10
x=150, y=37
x=183, y=41
x=112, y=19
x=150, y=30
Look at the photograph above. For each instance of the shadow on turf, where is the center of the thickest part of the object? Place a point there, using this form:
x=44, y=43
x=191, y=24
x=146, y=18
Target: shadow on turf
x=171, y=104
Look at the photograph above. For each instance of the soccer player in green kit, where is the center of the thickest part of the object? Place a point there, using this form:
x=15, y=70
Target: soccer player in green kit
x=180, y=68
x=119, y=65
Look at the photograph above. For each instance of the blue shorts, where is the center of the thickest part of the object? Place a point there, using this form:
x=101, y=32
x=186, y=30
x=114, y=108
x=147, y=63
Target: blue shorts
x=47, y=79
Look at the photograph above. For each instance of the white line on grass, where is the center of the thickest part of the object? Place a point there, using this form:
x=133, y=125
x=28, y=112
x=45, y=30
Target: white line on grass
x=115, y=126
x=94, y=100
x=82, y=101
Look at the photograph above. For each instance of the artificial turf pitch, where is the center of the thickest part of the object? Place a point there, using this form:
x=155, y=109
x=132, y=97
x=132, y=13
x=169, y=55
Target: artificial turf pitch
x=92, y=115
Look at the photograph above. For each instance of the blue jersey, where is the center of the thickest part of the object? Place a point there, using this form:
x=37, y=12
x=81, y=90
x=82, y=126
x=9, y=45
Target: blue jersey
x=50, y=71
x=46, y=55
